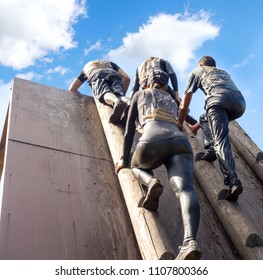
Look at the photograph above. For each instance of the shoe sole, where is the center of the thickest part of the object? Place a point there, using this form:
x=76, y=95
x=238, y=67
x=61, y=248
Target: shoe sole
x=236, y=191
x=192, y=253
x=115, y=118
x=203, y=156
x=155, y=191
x=151, y=202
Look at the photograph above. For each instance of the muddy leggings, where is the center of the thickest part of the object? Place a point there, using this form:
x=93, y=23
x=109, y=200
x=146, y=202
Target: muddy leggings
x=177, y=156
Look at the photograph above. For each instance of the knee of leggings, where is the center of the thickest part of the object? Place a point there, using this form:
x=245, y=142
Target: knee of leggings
x=181, y=186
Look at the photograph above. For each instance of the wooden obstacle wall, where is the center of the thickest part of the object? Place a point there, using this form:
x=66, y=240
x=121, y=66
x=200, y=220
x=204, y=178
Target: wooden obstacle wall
x=62, y=200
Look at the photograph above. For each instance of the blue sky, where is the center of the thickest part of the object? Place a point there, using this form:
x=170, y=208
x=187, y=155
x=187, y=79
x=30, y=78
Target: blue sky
x=49, y=42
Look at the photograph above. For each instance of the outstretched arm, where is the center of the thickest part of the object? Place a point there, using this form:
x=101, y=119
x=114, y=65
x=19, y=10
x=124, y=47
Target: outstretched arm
x=183, y=109
x=75, y=85
x=194, y=128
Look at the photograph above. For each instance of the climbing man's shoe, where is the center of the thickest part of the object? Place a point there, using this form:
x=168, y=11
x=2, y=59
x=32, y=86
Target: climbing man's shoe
x=117, y=111
x=151, y=201
x=207, y=157
x=189, y=251
x=234, y=191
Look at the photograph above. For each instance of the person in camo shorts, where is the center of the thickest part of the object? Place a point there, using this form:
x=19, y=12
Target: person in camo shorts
x=109, y=84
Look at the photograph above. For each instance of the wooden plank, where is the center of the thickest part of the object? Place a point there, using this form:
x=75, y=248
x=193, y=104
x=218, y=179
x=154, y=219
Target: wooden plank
x=247, y=148
x=56, y=206
x=246, y=239
x=59, y=203
x=55, y=118
x=149, y=230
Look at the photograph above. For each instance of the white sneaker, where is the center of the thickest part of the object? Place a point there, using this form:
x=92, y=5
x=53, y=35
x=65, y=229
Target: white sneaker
x=190, y=251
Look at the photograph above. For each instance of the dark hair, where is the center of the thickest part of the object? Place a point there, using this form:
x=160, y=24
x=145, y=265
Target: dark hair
x=207, y=61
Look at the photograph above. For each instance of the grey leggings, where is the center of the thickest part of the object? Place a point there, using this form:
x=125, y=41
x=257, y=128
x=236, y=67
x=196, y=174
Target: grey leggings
x=177, y=156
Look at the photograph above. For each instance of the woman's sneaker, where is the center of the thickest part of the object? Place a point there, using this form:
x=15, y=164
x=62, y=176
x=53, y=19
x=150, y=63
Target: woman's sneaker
x=189, y=251
x=151, y=201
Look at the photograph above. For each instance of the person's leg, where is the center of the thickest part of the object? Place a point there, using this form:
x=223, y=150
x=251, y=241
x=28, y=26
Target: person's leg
x=180, y=172
x=110, y=98
x=154, y=188
x=208, y=139
x=108, y=89
x=210, y=155
x=118, y=105
x=219, y=125
x=142, y=163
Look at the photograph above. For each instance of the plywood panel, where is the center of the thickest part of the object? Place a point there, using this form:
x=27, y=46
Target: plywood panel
x=55, y=118
x=61, y=199
x=58, y=205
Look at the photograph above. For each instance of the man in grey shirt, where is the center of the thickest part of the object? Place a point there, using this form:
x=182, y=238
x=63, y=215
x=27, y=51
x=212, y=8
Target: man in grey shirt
x=109, y=85
x=223, y=103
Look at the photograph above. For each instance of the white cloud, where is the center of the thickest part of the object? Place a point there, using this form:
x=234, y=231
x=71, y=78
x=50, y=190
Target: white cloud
x=172, y=37
x=29, y=76
x=31, y=29
x=96, y=46
x=59, y=69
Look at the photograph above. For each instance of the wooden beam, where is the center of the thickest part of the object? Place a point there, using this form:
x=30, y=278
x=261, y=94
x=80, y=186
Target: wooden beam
x=245, y=238
x=150, y=233
x=247, y=148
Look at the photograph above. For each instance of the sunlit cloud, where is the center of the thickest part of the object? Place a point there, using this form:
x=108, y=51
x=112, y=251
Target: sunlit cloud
x=96, y=46
x=59, y=69
x=29, y=76
x=36, y=29
x=172, y=37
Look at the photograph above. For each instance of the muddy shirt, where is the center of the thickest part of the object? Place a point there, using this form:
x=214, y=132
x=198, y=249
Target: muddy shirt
x=153, y=130
x=215, y=83
x=93, y=69
x=142, y=72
